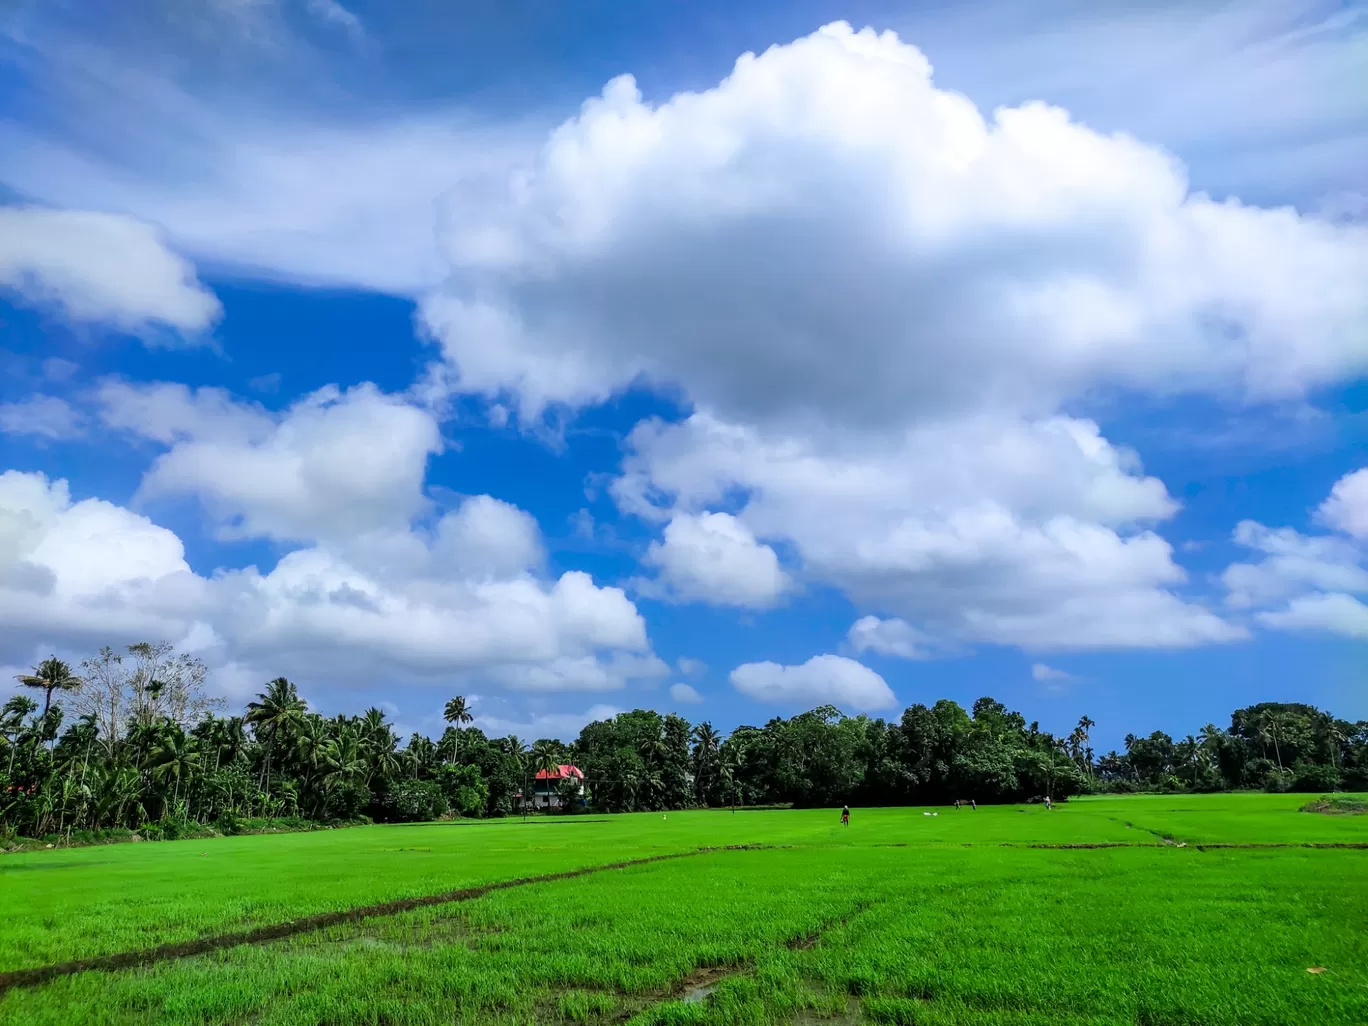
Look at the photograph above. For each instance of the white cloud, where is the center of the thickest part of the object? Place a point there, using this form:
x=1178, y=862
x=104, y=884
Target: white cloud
x=985, y=529
x=821, y=680
x=1307, y=582
x=897, y=424
x=266, y=382
x=487, y=537
x=101, y=268
x=1257, y=95
x=1040, y=672
x=46, y=416
x=335, y=464
x=685, y=694
x=713, y=557
x=1292, y=563
x=334, y=13
x=691, y=667
x=1347, y=507
x=892, y=637
x=1337, y=613
x=579, y=673
x=57, y=369
x=329, y=201
x=86, y=573
x=712, y=242
x=565, y=726
x=409, y=605
x=291, y=157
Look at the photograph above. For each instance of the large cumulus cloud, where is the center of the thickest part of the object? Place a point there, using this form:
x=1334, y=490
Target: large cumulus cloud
x=828, y=232
x=879, y=301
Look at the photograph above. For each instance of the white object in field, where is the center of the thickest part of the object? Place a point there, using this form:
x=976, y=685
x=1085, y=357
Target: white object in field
x=935, y=813
x=926, y=813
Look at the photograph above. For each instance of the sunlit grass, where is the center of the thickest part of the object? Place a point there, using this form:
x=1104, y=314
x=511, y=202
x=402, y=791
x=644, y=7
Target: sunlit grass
x=950, y=919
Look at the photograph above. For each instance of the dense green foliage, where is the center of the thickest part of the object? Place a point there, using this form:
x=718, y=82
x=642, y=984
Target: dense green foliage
x=131, y=743
x=957, y=919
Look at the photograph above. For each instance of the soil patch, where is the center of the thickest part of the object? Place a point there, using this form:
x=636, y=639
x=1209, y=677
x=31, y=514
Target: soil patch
x=1337, y=805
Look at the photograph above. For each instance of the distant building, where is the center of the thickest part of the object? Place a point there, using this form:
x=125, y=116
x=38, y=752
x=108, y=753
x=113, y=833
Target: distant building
x=547, y=792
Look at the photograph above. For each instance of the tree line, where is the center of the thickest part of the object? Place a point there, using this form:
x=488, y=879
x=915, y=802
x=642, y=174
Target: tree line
x=131, y=741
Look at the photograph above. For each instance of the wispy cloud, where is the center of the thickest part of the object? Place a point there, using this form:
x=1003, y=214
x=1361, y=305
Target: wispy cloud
x=334, y=13
x=1052, y=681
x=43, y=416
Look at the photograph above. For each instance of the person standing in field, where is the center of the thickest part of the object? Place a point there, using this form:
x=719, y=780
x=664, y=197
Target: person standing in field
x=973, y=804
x=1047, y=803
x=845, y=816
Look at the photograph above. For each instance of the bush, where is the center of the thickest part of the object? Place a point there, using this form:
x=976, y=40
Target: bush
x=414, y=801
x=1314, y=778
x=1277, y=781
x=1355, y=779
x=465, y=789
x=347, y=801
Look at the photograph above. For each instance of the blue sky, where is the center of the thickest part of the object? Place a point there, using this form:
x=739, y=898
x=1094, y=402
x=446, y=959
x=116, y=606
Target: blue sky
x=410, y=350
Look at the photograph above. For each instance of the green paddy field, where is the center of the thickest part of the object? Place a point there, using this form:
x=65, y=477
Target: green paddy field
x=1144, y=911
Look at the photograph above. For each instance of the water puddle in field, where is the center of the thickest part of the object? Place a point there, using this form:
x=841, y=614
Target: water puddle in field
x=703, y=983
x=848, y=1016
x=697, y=995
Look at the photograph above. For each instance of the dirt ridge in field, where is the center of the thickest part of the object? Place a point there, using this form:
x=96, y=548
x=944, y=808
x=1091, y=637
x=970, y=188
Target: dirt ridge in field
x=279, y=931
x=699, y=984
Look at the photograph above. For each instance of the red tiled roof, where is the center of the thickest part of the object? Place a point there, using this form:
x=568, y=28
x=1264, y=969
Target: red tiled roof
x=559, y=773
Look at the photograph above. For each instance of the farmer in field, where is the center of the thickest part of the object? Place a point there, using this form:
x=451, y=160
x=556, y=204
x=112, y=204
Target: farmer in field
x=845, y=816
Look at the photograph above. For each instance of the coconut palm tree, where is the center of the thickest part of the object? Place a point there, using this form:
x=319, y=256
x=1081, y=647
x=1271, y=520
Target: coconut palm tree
x=277, y=711
x=706, y=741
x=1331, y=735
x=12, y=717
x=1210, y=736
x=50, y=675
x=1186, y=754
x=457, y=713
x=1271, y=726
x=174, y=756
x=521, y=755
x=312, y=741
x=544, y=758
x=345, y=761
x=419, y=753
x=1085, y=724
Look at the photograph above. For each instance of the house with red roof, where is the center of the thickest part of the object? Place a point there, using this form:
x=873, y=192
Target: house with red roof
x=549, y=786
